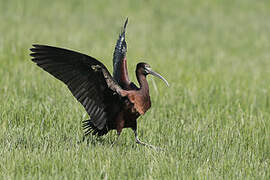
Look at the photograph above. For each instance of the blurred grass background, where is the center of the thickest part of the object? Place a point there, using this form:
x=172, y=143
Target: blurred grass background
x=213, y=120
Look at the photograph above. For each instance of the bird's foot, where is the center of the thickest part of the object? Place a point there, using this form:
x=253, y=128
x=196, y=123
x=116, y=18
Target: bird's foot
x=148, y=145
x=113, y=143
x=145, y=144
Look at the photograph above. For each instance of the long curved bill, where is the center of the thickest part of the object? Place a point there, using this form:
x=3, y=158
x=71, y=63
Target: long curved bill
x=157, y=75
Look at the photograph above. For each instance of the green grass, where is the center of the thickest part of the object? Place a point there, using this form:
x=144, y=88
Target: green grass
x=213, y=120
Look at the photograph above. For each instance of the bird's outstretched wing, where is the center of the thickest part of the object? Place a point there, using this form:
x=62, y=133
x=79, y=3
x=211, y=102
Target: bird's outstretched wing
x=87, y=79
x=120, y=72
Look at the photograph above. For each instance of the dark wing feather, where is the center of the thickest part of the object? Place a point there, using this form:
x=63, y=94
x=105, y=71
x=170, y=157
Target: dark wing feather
x=84, y=77
x=120, y=72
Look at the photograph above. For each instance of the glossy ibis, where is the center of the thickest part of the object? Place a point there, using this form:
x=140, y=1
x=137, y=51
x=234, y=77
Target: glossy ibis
x=111, y=102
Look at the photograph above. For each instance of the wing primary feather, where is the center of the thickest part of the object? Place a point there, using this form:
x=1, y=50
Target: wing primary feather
x=83, y=95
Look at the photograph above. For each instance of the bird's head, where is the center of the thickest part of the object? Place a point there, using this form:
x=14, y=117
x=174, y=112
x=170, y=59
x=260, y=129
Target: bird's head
x=145, y=69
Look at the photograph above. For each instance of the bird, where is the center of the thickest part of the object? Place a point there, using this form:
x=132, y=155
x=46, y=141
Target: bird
x=112, y=102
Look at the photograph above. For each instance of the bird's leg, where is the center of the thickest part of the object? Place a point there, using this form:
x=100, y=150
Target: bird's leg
x=119, y=125
x=138, y=141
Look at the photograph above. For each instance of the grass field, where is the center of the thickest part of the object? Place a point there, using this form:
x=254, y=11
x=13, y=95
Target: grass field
x=213, y=121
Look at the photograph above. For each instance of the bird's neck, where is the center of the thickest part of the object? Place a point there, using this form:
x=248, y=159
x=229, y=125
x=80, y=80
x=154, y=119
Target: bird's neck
x=143, y=82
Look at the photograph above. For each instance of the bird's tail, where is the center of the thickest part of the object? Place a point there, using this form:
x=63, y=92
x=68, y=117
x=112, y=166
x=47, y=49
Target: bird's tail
x=89, y=128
